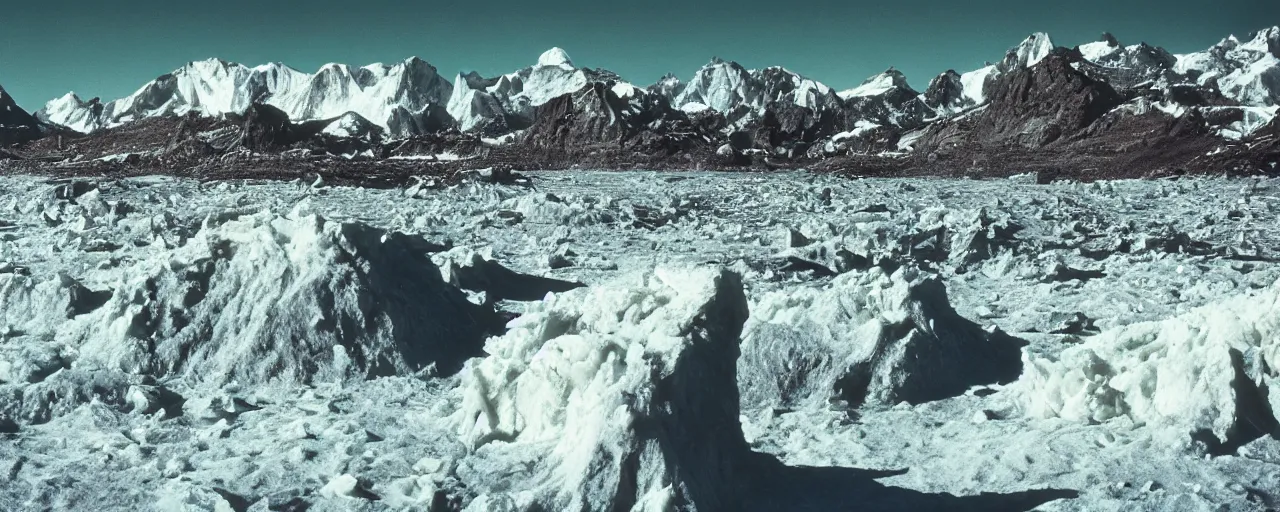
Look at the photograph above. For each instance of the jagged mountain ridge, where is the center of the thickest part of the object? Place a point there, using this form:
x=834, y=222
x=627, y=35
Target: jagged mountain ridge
x=392, y=97
x=399, y=98
x=1077, y=102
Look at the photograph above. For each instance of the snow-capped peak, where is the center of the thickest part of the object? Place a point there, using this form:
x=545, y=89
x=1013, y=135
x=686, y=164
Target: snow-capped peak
x=1100, y=49
x=350, y=124
x=721, y=85
x=1264, y=41
x=877, y=85
x=555, y=57
x=378, y=93
x=1248, y=72
x=669, y=87
x=72, y=112
x=1028, y=53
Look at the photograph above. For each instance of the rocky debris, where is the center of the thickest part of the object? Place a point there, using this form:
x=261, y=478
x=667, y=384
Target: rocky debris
x=265, y=127
x=1076, y=323
x=74, y=189
x=787, y=130
x=1059, y=272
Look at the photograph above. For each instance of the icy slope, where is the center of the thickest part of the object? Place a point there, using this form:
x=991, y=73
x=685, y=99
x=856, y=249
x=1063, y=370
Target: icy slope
x=1028, y=53
x=885, y=99
x=509, y=102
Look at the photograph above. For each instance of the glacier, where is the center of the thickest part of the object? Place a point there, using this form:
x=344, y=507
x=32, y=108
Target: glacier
x=675, y=340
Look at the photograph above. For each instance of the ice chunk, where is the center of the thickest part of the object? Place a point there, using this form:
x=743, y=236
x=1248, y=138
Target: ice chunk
x=626, y=383
x=1200, y=372
x=265, y=298
x=868, y=337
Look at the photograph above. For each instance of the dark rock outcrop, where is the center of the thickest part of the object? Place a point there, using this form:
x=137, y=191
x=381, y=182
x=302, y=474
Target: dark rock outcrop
x=16, y=125
x=1031, y=107
x=265, y=127
x=595, y=116
x=788, y=126
x=946, y=93
x=1046, y=102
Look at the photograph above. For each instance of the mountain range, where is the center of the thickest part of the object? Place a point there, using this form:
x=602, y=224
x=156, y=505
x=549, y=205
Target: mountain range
x=1038, y=96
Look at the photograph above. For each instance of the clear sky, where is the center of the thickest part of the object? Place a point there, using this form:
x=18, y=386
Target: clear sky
x=109, y=49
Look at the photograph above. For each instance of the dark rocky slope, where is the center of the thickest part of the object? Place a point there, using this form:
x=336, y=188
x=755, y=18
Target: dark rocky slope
x=16, y=125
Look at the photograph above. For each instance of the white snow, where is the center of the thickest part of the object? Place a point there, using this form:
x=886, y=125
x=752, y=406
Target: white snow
x=555, y=57
x=693, y=107
x=70, y=111
x=1178, y=373
x=874, y=86
x=1255, y=84
x=1254, y=118
x=382, y=94
x=731, y=89
x=444, y=156
x=721, y=86
x=1029, y=52
x=975, y=81
x=1246, y=71
x=861, y=127
x=1098, y=50
x=348, y=125
x=625, y=90
x=570, y=381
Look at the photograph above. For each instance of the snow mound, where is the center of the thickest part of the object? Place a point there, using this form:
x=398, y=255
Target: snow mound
x=1204, y=372
x=619, y=397
x=266, y=298
x=867, y=338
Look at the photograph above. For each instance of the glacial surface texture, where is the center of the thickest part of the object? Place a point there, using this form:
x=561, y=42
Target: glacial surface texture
x=640, y=342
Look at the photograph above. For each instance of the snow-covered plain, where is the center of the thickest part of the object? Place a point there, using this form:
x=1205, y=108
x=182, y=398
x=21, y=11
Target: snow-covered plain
x=684, y=341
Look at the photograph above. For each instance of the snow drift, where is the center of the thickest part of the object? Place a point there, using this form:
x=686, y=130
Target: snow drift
x=619, y=397
x=1206, y=372
x=867, y=337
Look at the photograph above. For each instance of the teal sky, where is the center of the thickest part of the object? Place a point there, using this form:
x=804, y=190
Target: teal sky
x=110, y=49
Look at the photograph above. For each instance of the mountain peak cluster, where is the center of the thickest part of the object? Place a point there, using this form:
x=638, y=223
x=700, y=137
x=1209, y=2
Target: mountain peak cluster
x=1036, y=96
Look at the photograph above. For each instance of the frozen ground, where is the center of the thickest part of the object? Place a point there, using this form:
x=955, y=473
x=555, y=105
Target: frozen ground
x=710, y=342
